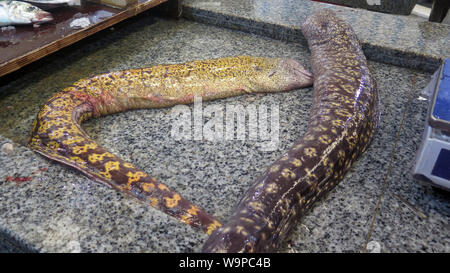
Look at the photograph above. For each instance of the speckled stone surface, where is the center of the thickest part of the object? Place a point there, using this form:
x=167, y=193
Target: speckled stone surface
x=411, y=212
x=394, y=39
x=60, y=210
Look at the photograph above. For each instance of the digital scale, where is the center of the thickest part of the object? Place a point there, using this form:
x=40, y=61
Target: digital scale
x=432, y=162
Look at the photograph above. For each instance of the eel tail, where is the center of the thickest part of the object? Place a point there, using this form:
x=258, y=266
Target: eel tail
x=57, y=134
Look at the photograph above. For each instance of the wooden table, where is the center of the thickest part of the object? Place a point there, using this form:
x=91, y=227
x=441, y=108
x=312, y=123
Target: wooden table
x=25, y=44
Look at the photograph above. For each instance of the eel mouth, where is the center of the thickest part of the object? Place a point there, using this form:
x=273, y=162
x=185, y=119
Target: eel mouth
x=298, y=75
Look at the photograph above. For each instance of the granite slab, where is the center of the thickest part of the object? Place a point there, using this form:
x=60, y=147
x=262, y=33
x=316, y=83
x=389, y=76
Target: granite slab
x=56, y=209
x=424, y=210
x=405, y=41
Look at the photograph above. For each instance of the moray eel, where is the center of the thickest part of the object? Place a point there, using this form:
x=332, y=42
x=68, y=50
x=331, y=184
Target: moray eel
x=342, y=123
x=57, y=134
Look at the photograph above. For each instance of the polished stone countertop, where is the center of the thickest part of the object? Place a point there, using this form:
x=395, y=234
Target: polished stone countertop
x=56, y=209
x=406, y=41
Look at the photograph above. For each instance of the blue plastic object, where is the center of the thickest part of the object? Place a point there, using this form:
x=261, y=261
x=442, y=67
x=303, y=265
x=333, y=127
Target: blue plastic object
x=432, y=163
x=442, y=103
x=441, y=167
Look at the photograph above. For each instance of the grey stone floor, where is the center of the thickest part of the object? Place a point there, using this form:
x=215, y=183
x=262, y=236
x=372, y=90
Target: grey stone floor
x=60, y=210
x=400, y=40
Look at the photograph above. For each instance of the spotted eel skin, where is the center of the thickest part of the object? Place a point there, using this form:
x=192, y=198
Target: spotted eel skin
x=342, y=123
x=57, y=134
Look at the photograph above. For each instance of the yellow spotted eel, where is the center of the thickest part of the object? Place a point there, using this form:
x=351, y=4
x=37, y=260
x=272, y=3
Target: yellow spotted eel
x=342, y=123
x=57, y=134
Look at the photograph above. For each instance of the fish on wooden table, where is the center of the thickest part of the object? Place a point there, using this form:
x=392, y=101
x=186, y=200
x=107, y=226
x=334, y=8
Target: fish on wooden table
x=21, y=13
x=51, y=4
x=69, y=2
x=343, y=119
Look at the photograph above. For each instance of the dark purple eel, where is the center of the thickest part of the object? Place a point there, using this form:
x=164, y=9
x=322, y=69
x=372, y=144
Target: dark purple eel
x=343, y=120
